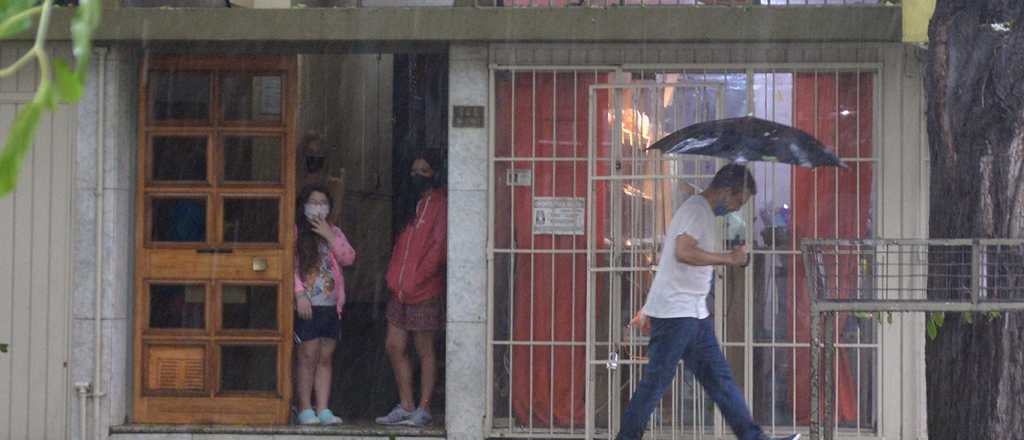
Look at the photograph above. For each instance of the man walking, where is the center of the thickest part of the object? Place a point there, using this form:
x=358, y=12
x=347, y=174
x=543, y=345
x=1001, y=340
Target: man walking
x=676, y=313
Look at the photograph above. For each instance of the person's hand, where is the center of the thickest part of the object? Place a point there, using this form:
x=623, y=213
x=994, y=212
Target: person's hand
x=323, y=229
x=641, y=322
x=738, y=256
x=304, y=307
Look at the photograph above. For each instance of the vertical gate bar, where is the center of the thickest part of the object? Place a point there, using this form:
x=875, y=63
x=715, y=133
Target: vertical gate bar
x=770, y=95
x=515, y=246
x=817, y=123
x=590, y=221
x=553, y=256
x=572, y=263
x=860, y=235
x=615, y=223
x=533, y=241
x=719, y=422
x=748, y=274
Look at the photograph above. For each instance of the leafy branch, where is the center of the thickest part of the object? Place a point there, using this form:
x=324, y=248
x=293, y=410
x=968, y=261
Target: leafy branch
x=58, y=83
x=935, y=319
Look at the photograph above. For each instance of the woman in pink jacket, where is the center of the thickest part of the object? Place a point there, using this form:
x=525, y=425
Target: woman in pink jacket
x=321, y=250
x=416, y=277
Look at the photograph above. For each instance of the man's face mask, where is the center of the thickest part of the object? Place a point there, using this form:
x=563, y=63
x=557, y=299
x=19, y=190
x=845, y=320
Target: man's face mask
x=314, y=164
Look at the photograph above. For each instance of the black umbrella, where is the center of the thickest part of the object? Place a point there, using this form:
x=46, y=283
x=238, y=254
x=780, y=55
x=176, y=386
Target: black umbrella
x=749, y=139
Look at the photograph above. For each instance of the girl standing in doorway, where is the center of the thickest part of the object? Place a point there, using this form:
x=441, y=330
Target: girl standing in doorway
x=321, y=250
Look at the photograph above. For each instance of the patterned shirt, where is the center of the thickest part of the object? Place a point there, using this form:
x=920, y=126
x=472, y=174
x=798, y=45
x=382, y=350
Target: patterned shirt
x=322, y=289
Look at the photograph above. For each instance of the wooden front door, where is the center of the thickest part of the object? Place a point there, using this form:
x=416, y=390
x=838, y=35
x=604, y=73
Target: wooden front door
x=215, y=204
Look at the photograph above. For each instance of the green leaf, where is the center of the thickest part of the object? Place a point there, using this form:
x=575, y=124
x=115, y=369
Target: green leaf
x=969, y=318
x=10, y=8
x=933, y=330
x=19, y=139
x=69, y=88
x=940, y=318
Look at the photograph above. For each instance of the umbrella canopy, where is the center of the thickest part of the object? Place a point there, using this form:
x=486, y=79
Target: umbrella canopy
x=749, y=139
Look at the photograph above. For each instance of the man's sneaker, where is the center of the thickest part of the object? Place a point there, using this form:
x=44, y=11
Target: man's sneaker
x=308, y=417
x=792, y=437
x=419, y=418
x=328, y=418
x=395, y=417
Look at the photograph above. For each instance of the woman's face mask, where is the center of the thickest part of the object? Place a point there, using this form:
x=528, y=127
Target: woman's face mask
x=421, y=183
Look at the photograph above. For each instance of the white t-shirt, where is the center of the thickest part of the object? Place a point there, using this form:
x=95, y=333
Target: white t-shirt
x=680, y=290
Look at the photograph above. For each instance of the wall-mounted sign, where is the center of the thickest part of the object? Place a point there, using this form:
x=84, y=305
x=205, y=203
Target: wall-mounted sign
x=468, y=116
x=558, y=215
x=518, y=177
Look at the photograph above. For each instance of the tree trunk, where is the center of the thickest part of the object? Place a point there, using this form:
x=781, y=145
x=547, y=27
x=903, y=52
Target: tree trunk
x=974, y=82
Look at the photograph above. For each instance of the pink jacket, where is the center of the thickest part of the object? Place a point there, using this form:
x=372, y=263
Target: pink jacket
x=342, y=255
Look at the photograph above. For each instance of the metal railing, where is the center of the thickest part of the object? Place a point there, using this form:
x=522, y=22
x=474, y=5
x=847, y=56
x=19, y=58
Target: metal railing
x=657, y=3
x=284, y=4
x=892, y=275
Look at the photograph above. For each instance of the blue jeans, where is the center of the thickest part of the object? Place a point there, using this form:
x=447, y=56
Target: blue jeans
x=692, y=340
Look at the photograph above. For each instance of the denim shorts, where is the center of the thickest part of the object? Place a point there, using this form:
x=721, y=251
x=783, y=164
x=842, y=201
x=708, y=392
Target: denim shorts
x=324, y=324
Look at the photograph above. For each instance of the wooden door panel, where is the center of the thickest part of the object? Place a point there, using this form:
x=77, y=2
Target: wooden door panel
x=213, y=327
x=242, y=264
x=222, y=411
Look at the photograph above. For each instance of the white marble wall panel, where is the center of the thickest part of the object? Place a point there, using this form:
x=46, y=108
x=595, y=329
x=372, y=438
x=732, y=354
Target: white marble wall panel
x=467, y=248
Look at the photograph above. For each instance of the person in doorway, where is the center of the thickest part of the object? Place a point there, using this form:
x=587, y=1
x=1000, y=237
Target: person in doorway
x=321, y=250
x=676, y=314
x=313, y=170
x=416, y=278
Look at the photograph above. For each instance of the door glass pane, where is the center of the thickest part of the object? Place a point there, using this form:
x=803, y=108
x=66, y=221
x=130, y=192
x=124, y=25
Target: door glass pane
x=249, y=307
x=177, y=305
x=178, y=219
x=179, y=158
x=252, y=159
x=250, y=220
x=179, y=96
x=248, y=368
x=248, y=97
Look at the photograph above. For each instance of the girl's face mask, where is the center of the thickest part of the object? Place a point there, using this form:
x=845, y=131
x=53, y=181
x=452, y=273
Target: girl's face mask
x=316, y=211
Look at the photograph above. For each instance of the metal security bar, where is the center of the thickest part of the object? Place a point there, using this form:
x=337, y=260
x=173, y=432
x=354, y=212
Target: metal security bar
x=894, y=275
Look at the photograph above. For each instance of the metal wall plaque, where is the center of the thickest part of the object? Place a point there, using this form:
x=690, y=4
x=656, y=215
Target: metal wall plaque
x=468, y=116
x=558, y=215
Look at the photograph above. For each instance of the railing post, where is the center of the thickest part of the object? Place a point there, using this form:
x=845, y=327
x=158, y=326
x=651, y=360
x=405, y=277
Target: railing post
x=828, y=417
x=975, y=271
x=810, y=273
x=815, y=428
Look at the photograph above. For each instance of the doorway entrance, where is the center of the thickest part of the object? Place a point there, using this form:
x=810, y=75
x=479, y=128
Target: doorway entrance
x=215, y=198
